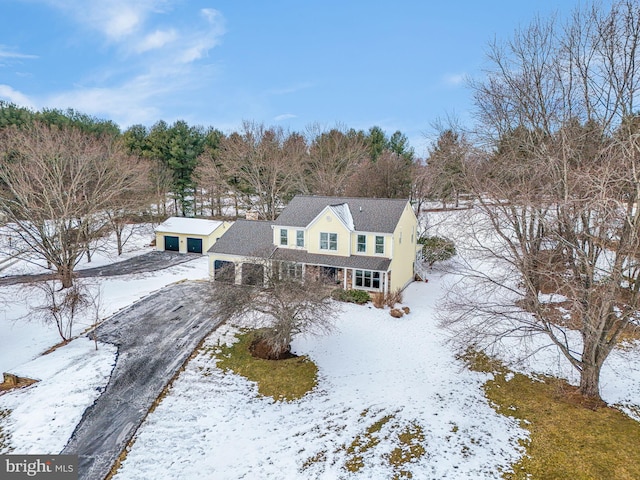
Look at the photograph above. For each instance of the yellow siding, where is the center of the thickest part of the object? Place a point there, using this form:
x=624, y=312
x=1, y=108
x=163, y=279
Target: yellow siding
x=328, y=223
x=371, y=244
x=291, y=237
x=404, y=249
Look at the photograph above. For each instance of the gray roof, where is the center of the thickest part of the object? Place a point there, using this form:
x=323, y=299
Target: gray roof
x=354, y=261
x=369, y=214
x=250, y=238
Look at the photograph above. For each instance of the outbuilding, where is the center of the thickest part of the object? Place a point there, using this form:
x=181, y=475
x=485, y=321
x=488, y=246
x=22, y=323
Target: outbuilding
x=189, y=235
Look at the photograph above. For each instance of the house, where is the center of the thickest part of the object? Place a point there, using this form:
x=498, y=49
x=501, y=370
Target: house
x=189, y=235
x=354, y=243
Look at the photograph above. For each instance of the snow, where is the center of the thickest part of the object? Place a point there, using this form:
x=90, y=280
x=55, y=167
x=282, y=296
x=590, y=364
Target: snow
x=138, y=242
x=44, y=415
x=215, y=425
x=24, y=337
x=344, y=214
x=372, y=365
x=193, y=226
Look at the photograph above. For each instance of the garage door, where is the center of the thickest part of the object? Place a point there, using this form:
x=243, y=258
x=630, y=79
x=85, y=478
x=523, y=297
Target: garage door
x=252, y=274
x=171, y=243
x=224, y=271
x=194, y=245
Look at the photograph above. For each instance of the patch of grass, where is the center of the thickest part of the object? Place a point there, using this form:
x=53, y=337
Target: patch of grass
x=566, y=440
x=12, y=382
x=363, y=443
x=288, y=379
x=408, y=440
x=410, y=448
x=4, y=437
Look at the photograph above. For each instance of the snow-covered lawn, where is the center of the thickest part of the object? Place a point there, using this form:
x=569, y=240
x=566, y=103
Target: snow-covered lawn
x=214, y=425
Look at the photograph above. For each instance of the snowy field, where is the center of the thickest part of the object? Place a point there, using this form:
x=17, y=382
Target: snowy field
x=214, y=425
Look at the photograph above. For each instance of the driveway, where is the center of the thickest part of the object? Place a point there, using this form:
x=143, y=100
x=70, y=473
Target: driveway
x=154, y=338
x=149, y=262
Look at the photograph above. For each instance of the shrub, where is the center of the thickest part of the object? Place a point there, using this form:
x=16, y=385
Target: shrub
x=436, y=249
x=395, y=313
x=392, y=298
x=353, y=296
x=406, y=310
x=378, y=299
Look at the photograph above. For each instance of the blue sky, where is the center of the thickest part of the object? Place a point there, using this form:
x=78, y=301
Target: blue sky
x=400, y=65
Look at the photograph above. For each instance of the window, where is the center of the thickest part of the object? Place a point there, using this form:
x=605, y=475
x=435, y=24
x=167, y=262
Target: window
x=328, y=241
x=362, y=243
x=283, y=236
x=379, y=244
x=368, y=279
x=300, y=238
x=292, y=270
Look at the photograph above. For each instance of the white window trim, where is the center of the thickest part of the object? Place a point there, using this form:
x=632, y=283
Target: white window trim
x=329, y=249
x=375, y=245
x=381, y=277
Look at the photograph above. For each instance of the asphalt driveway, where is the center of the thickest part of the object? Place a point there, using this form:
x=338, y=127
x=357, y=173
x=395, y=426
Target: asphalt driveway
x=149, y=262
x=154, y=338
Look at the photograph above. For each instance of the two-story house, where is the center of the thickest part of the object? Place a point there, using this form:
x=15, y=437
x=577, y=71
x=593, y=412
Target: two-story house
x=354, y=243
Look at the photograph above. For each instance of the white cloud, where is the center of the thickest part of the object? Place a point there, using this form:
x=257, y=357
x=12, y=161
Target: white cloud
x=455, y=79
x=200, y=41
x=157, y=39
x=291, y=88
x=14, y=96
x=160, y=68
x=116, y=19
x=6, y=52
x=284, y=116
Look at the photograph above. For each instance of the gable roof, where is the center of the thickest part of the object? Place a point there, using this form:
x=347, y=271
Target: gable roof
x=194, y=226
x=368, y=214
x=250, y=238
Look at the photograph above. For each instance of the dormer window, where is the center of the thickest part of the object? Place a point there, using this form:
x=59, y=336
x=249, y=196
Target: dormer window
x=300, y=238
x=284, y=236
x=362, y=243
x=328, y=241
x=379, y=244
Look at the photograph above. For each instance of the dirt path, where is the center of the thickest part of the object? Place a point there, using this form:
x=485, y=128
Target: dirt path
x=149, y=262
x=154, y=338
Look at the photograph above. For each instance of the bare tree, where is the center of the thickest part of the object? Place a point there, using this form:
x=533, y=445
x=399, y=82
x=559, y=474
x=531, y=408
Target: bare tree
x=559, y=196
x=57, y=184
x=264, y=164
x=212, y=175
x=287, y=304
x=333, y=158
x=65, y=307
x=389, y=176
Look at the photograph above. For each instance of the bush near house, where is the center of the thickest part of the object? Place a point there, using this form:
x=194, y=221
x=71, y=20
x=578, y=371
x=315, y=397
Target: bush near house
x=353, y=296
x=436, y=249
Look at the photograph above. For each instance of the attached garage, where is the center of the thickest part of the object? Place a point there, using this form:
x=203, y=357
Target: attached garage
x=189, y=235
